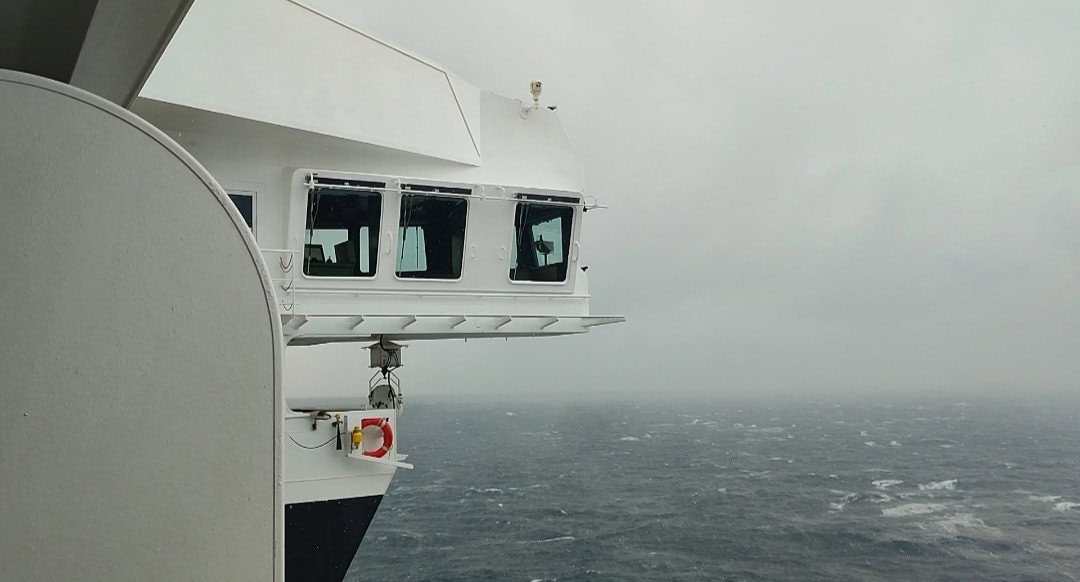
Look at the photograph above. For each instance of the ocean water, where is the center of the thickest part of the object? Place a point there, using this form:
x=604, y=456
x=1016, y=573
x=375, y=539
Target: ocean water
x=935, y=490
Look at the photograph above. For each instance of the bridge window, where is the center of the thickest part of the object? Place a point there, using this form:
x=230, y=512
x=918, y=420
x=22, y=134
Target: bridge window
x=342, y=235
x=431, y=233
x=541, y=241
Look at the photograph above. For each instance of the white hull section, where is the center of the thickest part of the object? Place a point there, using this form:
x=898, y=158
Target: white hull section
x=323, y=472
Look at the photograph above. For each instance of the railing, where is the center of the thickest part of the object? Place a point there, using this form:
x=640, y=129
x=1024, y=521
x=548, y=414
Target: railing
x=284, y=279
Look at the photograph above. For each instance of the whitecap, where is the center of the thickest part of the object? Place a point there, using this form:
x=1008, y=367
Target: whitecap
x=948, y=484
x=510, y=414
x=629, y=439
x=870, y=444
x=1066, y=506
x=912, y=509
x=953, y=523
x=1044, y=498
x=884, y=484
x=847, y=498
x=558, y=539
x=894, y=444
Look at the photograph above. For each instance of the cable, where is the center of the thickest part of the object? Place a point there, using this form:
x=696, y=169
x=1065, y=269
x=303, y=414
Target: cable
x=303, y=446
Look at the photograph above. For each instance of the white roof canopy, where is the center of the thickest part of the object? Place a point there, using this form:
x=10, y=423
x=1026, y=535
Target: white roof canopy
x=286, y=64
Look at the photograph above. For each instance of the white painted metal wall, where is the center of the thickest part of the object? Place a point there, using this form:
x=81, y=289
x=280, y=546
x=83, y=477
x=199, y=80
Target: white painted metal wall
x=140, y=397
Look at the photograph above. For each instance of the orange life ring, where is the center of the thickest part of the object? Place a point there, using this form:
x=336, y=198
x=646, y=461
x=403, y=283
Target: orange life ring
x=387, y=436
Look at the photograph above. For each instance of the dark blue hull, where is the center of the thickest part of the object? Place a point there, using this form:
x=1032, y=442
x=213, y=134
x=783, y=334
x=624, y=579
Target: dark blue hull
x=321, y=537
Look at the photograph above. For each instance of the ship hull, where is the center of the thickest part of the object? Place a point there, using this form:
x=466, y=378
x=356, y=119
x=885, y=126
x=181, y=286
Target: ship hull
x=321, y=537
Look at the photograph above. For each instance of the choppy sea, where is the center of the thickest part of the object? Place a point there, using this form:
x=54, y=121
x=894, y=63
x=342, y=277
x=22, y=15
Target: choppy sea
x=931, y=490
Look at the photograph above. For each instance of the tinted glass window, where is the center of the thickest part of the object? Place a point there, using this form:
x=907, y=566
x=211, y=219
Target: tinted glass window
x=541, y=242
x=342, y=235
x=431, y=236
x=245, y=203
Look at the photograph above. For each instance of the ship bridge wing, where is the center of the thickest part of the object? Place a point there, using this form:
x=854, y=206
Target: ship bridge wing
x=391, y=199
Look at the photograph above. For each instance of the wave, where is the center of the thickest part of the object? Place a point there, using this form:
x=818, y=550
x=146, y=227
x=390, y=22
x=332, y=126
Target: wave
x=847, y=498
x=952, y=524
x=558, y=539
x=884, y=484
x=1066, y=506
x=948, y=484
x=488, y=490
x=1044, y=498
x=912, y=509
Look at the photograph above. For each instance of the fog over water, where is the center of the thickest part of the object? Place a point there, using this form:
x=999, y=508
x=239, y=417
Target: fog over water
x=861, y=198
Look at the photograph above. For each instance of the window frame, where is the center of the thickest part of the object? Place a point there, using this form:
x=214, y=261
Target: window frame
x=434, y=191
x=560, y=199
x=372, y=188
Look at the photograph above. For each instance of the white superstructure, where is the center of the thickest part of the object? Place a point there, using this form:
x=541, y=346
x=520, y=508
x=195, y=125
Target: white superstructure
x=389, y=201
x=292, y=110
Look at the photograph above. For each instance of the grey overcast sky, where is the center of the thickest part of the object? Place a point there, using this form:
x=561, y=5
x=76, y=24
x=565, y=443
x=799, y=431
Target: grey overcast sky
x=805, y=196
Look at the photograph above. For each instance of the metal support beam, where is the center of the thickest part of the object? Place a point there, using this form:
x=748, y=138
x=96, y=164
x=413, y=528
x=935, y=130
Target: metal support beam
x=125, y=40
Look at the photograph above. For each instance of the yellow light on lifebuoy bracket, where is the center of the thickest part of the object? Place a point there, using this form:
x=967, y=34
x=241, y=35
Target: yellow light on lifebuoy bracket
x=357, y=437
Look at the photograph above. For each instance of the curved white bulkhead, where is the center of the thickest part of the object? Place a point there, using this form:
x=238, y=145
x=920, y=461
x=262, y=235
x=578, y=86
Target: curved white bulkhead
x=140, y=397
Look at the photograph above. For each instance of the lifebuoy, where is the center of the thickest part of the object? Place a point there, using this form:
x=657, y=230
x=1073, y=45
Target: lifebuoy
x=387, y=436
